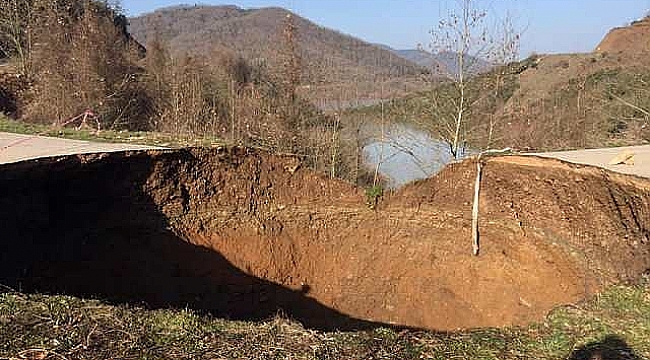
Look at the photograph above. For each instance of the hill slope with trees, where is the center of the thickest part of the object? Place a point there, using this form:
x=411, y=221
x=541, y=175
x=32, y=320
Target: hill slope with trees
x=74, y=59
x=547, y=102
x=327, y=56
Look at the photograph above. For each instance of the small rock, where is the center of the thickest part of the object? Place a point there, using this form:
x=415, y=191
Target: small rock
x=525, y=303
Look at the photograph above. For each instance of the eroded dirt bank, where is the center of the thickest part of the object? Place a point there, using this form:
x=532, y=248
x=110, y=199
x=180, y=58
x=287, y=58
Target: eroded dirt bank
x=242, y=233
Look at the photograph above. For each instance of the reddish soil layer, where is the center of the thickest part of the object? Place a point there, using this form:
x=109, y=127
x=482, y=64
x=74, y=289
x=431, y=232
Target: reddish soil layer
x=630, y=39
x=242, y=234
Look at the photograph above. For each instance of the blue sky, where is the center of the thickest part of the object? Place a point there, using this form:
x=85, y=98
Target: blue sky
x=550, y=26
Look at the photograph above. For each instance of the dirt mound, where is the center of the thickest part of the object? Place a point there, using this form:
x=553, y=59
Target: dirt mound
x=596, y=216
x=242, y=234
x=630, y=39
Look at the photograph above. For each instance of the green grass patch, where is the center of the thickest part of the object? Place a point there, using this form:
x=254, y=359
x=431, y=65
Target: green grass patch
x=63, y=326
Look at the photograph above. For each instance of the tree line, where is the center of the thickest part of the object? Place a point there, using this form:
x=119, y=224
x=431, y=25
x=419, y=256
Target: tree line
x=77, y=55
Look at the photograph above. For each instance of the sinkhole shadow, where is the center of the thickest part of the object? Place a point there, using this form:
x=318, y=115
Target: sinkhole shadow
x=611, y=347
x=89, y=230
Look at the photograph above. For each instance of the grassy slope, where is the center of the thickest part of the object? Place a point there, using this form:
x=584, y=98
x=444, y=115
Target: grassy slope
x=560, y=102
x=72, y=328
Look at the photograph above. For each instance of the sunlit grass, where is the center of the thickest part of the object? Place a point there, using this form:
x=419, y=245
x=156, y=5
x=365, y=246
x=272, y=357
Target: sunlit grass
x=78, y=328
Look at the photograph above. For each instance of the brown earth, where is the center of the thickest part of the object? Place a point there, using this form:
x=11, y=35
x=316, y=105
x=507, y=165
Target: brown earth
x=629, y=39
x=244, y=234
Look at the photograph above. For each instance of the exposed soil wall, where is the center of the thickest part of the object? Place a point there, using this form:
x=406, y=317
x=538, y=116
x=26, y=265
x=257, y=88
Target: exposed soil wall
x=630, y=39
x=242, y=233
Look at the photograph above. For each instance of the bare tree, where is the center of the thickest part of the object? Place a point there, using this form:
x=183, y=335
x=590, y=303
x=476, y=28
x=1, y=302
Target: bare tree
x=504, y=52
x=15, y=31
x=80, y=61
x=290, y=76
x=467, y=38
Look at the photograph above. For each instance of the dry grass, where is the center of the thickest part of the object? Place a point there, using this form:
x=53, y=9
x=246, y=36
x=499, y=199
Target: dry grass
x=88, y=134
x=62, y=327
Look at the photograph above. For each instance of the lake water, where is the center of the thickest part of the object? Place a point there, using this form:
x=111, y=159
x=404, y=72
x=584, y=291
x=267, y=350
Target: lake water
x=406, y=154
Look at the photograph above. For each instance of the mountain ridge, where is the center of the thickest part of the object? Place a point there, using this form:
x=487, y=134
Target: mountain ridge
x=443, y=63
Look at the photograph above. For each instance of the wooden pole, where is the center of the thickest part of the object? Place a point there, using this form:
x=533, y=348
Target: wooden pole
x=475, y=208
x=477, y=191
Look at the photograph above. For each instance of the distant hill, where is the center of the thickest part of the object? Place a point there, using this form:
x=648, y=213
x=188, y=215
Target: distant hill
x=328, y=56
x=549, y=102
x=630, y=39
x=443, y=63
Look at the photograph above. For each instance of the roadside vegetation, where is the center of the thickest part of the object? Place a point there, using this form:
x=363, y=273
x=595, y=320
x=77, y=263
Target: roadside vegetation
x=66, y=57
x=614, y=325
x=114, y=136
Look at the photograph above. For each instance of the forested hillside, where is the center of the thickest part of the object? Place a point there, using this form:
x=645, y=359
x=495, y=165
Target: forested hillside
x=327, y=56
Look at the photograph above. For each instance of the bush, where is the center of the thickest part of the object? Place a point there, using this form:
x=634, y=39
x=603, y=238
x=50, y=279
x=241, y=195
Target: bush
x=373, y=194
x=82, y=61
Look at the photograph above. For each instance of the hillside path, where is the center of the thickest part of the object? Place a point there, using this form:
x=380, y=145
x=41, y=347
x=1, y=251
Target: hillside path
x=19, y=147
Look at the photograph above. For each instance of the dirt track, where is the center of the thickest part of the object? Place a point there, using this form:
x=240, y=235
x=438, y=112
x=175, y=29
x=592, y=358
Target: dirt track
x=243, y=233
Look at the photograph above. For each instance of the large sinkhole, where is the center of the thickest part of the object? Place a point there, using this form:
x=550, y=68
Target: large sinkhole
x=243, y=235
